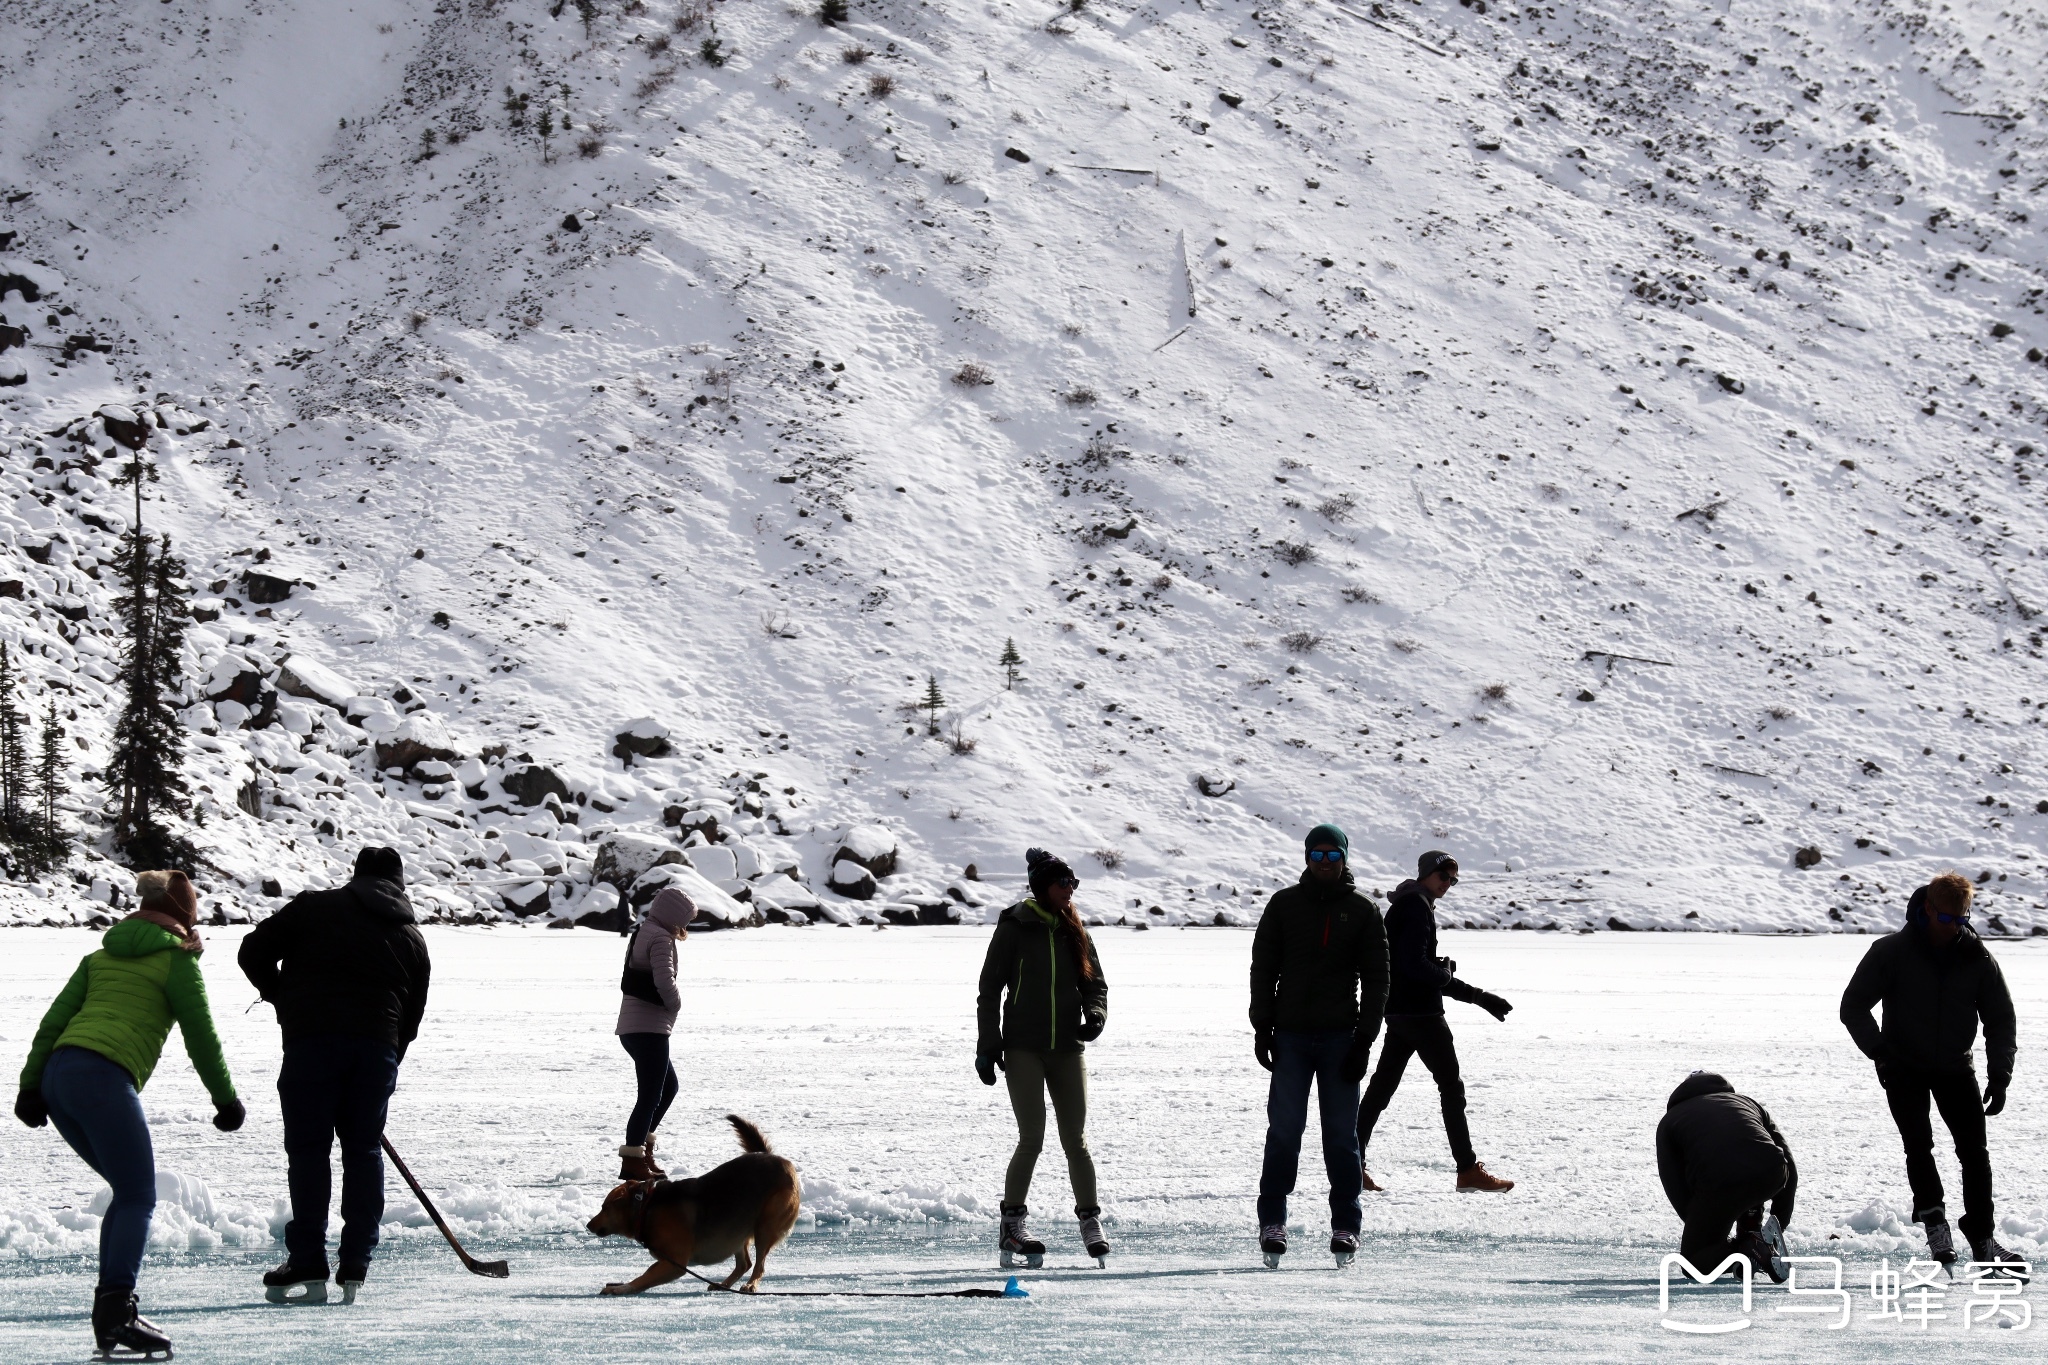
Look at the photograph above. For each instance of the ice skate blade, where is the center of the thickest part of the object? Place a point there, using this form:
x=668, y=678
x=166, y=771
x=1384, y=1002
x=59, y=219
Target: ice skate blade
x=348, y=1291
x=1102, y=1262
x=1272, y=1260
x=1014, y=1261
x=1343, y=1258
x=314, y=1291
x=126, y=1353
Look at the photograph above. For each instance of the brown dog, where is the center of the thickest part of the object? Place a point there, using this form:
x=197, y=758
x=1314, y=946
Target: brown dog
x=752, y=1198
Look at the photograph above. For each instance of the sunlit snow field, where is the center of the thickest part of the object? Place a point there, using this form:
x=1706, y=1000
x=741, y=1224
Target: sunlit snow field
x=852, y=1049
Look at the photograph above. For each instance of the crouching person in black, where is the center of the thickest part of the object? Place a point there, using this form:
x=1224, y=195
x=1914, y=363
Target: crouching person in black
x=1720, y=1157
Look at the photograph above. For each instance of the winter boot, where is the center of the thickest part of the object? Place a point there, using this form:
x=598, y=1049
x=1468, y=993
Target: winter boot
x=117, y=1326
x=1091, y=1235
x=636, y=1164
x=350, y=1278
x=1989, y=1252
x=1941, y=1242
x=1344, y=1246
x=1015, y=1243
x=659, y=1173
x=1476, y=1177
x=1368, y=1184
x=1273, y=1243
x=310, y=1283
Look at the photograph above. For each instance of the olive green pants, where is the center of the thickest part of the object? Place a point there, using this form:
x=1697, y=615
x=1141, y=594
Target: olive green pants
x=1031, y=1075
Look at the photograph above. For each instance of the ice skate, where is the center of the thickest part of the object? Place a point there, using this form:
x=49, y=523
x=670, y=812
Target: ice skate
x=121, y=1332
x=350, y=1279
x=1016, y=1244
x=1343, y=1246
x=1092, y=1238
x=1941, y=1243
x=295, y=1284
x=1988, y=1252
x=1772, y=1238
x=1273, y=1244
x=1477, y=1177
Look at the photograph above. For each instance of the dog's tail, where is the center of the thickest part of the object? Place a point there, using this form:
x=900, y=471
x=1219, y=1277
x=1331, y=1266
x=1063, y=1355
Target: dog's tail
x=750, y=1136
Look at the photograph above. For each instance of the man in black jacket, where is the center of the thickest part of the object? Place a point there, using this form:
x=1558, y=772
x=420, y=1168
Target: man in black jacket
x=1720, y=1157
x=1935, y=978
x=1319, y=989
x=1415, y=1019
x=347, y=971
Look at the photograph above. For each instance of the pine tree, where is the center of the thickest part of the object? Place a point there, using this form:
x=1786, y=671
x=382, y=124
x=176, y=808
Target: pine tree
x=1011, y=661
x=14, y=760
x=934, y=701
x=49, y=842
x=832, y=12
x=142, y=771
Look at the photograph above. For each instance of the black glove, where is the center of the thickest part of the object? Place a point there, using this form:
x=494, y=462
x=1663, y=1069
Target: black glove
x=985, y=1067
x=30, y=1109
x=228, y=1117
x=1355, y=1058
x=1262, y=1047
x=1492, y=1004
x=1091, y=1027
x=1449, y=965
x=1994, y=1096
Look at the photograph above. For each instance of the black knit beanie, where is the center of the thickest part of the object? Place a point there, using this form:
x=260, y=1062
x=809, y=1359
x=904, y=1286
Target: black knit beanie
x=1043, y=870
x=380, y=862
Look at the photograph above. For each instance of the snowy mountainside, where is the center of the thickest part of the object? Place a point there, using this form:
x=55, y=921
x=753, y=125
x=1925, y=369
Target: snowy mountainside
x=1598, y=440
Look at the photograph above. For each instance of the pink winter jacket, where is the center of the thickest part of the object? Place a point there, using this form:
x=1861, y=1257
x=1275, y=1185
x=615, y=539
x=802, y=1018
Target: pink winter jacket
x=654, y=948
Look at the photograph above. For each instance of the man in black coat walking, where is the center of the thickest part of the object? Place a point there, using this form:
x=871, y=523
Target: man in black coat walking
x=1415, y=1020
x=347, y=971
x=1720, y=1157
x=1319, y=989
x=1935, y=979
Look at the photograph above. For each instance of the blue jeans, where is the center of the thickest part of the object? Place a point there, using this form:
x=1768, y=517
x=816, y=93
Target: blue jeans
x=655, y=1079
x=335, y=1087
x=1300, y=1059
x=94, y=1105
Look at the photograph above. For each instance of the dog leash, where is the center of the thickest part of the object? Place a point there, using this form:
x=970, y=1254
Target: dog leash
x=1003, y=1293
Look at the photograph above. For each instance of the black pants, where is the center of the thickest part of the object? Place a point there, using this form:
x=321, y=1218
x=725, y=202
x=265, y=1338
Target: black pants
x=1426, y=1036
x=335, y=1088
x=655, y=1081
x=1712, y=1211
x=1955, y=1094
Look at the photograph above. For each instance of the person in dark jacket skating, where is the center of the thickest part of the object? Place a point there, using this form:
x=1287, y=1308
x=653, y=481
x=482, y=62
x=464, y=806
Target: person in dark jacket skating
x=1415, y=1020
x=1720, y=1157
x=1935, y=979
x=1319, y=991
x=347, y=970
x=1058, y=1002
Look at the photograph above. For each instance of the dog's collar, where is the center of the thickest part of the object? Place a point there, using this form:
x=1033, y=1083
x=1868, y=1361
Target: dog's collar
x=640, y=1200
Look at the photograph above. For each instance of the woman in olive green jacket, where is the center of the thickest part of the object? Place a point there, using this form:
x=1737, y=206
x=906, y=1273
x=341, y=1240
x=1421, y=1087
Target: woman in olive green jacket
x=1042, y=955
x=93, y=1054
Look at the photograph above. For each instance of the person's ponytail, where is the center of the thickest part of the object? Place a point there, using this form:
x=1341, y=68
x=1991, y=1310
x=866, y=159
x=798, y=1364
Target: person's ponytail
x=1043, y=869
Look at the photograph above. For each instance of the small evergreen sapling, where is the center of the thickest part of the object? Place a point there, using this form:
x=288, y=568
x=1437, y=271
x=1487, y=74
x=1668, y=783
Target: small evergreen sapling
x=933, y=703
x=1012, y=662
x=712, y=50
x=49, y=842
x=14, y=757
x=832, y=12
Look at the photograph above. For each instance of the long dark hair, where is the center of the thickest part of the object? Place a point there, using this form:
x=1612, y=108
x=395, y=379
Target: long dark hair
x=1044, y=869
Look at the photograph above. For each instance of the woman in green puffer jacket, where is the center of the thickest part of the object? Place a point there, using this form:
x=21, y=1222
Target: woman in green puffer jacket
x=1058, y=1001
x=91, y=1057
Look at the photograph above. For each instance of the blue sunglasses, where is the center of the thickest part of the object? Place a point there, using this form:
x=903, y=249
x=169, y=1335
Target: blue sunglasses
x=1963, y=918
x=1325, y=855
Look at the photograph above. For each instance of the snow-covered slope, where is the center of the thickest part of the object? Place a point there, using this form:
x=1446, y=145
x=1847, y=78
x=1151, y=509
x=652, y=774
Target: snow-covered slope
x=1594, y=439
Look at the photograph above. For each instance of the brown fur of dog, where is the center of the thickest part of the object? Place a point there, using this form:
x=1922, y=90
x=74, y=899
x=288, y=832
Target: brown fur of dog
x=750, y=1199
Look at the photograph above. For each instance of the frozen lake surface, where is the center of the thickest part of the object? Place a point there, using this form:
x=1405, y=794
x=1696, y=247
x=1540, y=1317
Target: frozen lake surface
x=852, y=1049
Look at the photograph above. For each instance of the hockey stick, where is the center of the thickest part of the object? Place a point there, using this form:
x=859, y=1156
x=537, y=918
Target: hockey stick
x=497, y=1270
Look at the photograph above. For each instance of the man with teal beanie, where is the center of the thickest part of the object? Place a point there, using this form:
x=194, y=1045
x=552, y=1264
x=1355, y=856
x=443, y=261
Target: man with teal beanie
x=1319, y=993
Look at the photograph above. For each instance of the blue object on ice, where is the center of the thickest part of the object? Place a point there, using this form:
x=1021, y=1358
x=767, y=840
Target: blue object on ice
x=1013, y=1290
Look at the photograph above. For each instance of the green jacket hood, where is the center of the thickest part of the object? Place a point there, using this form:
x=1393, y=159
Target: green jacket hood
x=138, y=938
x=1029, y=912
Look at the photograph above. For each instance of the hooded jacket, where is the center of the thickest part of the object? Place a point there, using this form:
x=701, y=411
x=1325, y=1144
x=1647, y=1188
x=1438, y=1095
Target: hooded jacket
x=1712, y=1139
x=653, y=950
x=1932, y=999
x=1037, y=958
x=344, y=961
x=1319, y=959
x=1420, y=982
x=121, y=1002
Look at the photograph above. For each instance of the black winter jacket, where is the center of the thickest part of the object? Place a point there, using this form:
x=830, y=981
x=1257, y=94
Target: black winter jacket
x=349, y=960
x=1932, y=1000
x=1319, y=960
x=1712, y=1138
x=1420, y=982
x=1037, y=958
